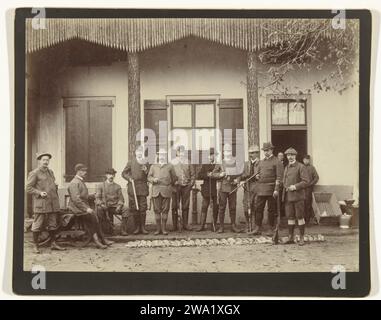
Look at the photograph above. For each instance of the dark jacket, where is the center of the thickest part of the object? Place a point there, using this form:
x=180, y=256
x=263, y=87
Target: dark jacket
x=135, y=171
x=249, y=170
x=109, y=194
x=270, y=176
x=79, y=196
x=232, y=172
x=294, y=174
x=184, y=171
x=40, y=180
x=203, y=175
x=312, y=174
x=167, y=178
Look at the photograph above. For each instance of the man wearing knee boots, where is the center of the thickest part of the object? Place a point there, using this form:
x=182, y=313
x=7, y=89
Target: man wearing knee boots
x=135, y=173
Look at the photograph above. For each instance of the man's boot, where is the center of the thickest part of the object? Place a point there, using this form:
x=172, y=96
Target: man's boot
x=291, y=228
x=137, y=223
x=164, y=223
x=301, y=231
x=53, y=243
x=158, y=223
x=247, y=221
x=98, y=242
x=221, y=229
x=143, y=223
x=185, y=215
x=256, y=231
x=123, y=227
x=175, y=218
x=36, y=248
x=202, y=221
x=233, y=225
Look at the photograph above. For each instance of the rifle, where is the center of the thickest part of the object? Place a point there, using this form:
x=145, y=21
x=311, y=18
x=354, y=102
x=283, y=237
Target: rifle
x=211, y=204
x=179, y=216
x=135, y=196
x=240, y=185
x=275, y=238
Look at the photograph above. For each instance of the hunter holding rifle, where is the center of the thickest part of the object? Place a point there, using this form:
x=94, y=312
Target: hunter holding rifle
x=294, y=183
x=136, y=172
x=270, y=175
x=229, y=175
x=183, y=187
x=208, y=191
x=163, y=177
x=250, y=177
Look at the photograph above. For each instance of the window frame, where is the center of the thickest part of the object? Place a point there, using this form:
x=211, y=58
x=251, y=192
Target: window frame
x=288, y=126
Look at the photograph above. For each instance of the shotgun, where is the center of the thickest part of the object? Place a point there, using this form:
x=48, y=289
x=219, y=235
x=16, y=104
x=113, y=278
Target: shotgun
x=135, y=196
x=211, y=204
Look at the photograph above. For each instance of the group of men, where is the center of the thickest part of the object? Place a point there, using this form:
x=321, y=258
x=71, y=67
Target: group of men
x=267, y=181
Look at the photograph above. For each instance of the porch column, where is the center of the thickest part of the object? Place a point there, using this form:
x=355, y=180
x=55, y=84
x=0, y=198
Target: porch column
x=252, y=98
x=134, y=121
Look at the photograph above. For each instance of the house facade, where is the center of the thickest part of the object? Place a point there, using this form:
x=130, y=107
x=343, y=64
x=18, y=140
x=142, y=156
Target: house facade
x=88, y=95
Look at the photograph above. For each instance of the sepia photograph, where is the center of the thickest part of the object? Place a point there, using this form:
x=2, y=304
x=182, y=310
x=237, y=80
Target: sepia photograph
x=192, y=144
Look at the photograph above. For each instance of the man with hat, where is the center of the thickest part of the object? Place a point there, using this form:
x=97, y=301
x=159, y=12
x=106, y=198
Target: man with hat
x=208, y=189
x=136, y=172
x=270, y=174
x=163, y=177
x=109, y=198
x=295, y=180
x=42, y=186
x=249, y=178
x=228, y=172
x=183, y=187
x=79, y=205
x=313, y=178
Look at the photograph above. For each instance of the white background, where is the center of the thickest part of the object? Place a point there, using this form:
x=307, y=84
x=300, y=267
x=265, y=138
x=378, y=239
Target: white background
x=7, y=105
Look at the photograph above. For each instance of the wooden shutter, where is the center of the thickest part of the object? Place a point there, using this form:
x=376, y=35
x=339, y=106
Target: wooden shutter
x=76, y=135
x=100, y=142
x=155, y=111
x=88, y=137
x=231, y=117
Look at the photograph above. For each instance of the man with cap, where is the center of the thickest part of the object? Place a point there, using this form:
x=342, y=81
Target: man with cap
x=228, y=172
x=270, y=174
x=79, y=205
x=249, y=178
x=313, y=178
x=295, y=180
x=208, y=189
x=183, y=187
x=136, y=172
x=163, y=177
x=109, y=198
x=42, y=186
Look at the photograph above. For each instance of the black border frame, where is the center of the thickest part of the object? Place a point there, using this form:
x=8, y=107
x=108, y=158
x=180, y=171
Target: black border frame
x=222, y=284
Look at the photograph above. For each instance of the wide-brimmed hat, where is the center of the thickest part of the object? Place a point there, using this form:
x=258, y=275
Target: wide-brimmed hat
x=110, y=171
x=39, y=155
x=180, y=148
x=162, y=151
x=80, y=167
x=228, y=147
x=267, y=146
x=254, y=148
x=291, y=151
x=213, y=151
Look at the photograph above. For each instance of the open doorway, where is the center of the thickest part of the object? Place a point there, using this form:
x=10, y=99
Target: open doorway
x=284, y=139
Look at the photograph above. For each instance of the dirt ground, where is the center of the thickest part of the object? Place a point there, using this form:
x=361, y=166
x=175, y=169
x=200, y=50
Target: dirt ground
x=337, y=249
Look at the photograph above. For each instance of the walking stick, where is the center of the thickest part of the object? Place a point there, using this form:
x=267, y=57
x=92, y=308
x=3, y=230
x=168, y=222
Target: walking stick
x=276, y=234
x=179, y=216
x=135, y=197
x=249, y=211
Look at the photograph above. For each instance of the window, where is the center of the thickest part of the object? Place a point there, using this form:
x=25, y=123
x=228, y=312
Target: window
x=197, y=115
x=288, y=112
x=88, y=136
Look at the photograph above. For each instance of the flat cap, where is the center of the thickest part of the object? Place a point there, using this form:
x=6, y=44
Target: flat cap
x=80, y=166
x=291, y=151
x=267, y=146
x=254, y=148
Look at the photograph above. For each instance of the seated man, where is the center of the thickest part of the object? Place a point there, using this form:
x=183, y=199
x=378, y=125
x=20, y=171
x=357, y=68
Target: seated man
x=110, y=198
x=79, y=205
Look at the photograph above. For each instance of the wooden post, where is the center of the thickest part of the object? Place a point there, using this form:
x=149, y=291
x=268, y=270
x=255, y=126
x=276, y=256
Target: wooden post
x=134, y=120
x=252, y=98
